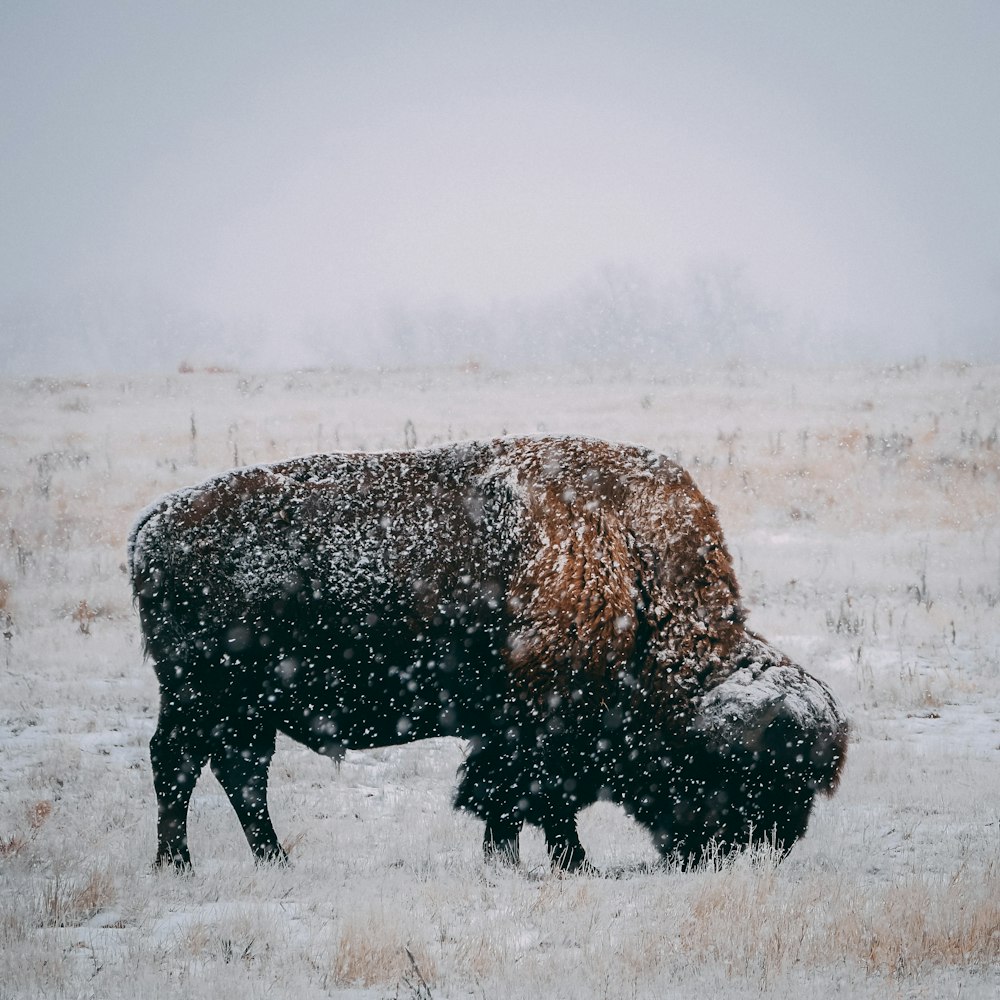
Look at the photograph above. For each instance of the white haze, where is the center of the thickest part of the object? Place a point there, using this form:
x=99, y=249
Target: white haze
x=334, y=183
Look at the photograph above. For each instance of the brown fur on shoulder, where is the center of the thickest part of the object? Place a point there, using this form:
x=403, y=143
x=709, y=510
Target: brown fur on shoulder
x=625, y=555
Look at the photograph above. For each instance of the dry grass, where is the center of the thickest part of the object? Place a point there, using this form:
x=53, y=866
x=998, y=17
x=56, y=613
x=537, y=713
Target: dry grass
x=754, y=923
x=84, y=615
x=35, y=817
x=373, y=950
x=70, y=902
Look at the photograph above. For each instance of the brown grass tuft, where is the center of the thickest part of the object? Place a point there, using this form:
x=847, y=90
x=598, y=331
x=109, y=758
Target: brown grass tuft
x=372, y=953
x=84, y=615
x=36, y=816
x=72, y=903
x=39, y=813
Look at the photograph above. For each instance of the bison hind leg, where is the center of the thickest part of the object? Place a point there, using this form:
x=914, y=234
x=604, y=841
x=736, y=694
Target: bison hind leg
x=178, y=752
x=241, y=758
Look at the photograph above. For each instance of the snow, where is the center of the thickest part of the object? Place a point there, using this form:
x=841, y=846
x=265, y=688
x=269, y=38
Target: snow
x=877, y=569
x=743, y=702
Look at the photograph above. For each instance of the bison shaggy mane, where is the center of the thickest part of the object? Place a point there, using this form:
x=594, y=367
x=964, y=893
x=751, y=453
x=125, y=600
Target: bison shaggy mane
x=566, y=605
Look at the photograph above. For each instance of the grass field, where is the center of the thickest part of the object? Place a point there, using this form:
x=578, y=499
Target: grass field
x=862, y=507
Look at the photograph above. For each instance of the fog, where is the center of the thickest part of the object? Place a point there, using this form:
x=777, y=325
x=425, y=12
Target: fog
x=389, y=184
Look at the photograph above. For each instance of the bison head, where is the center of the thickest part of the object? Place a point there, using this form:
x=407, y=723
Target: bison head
x=760, y=747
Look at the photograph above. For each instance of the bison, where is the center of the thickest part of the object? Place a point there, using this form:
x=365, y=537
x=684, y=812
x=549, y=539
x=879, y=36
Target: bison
x=566, y=605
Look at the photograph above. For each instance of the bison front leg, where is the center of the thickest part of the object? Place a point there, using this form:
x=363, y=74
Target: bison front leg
x=562, y=841
x=490, y=788
x=502, y=840
x=241, y=757
x=514, y=779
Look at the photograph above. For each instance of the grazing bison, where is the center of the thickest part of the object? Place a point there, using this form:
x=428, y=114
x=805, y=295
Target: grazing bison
x=566, y=605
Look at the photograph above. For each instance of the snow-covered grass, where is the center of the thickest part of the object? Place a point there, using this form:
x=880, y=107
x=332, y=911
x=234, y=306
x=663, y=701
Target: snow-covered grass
x=862, y=508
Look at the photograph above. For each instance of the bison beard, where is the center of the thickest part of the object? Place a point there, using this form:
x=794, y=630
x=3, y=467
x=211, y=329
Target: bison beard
x=567, y=605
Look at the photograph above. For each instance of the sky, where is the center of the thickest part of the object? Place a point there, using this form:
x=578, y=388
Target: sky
x=309, y=183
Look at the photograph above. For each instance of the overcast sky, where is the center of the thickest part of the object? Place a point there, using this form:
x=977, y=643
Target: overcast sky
x=280, y=168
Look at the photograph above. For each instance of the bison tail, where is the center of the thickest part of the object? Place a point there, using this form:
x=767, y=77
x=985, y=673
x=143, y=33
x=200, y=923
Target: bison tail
x=138, y=549
x=153, y=591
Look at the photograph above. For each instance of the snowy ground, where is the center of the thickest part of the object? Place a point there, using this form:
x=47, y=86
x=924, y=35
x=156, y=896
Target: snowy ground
x=861, y=506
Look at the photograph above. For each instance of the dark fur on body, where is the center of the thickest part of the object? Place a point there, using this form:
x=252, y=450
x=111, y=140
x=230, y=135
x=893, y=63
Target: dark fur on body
x=565, y=604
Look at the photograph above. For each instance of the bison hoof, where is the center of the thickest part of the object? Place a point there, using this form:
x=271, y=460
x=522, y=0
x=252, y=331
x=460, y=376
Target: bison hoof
x=173, y=862
x=583, y=868
x=505, y=854
x=278, y=857
x=572, y=863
